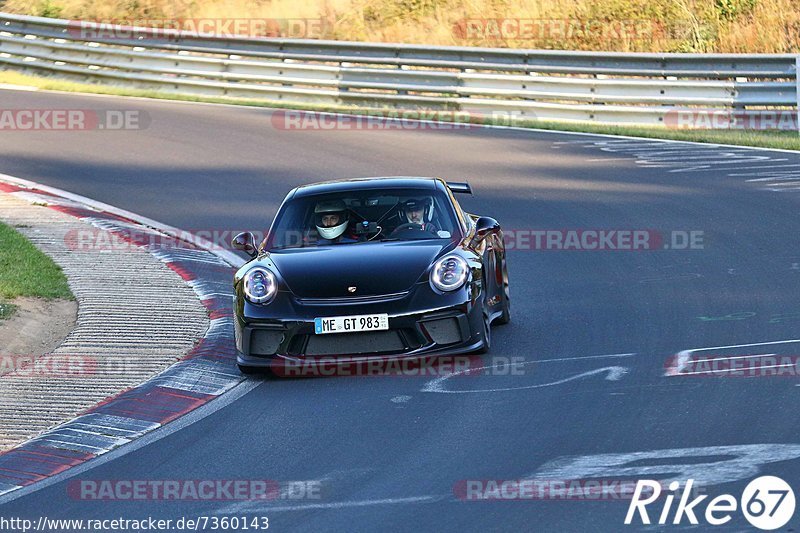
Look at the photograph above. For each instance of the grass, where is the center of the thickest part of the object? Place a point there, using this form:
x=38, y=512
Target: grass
x=622, y=25
x=26, y=271
x=6, y=310
x=786, y=140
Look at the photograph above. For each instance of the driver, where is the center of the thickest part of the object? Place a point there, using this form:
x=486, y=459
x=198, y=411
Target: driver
x=418, y=211
x=331, y=219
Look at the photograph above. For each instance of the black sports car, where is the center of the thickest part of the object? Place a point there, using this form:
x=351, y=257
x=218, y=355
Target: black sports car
x=365, y=269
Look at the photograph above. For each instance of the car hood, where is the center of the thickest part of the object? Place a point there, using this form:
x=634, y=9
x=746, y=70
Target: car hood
x=373, y=268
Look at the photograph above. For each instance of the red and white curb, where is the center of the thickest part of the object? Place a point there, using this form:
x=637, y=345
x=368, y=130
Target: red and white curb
x=205, y=373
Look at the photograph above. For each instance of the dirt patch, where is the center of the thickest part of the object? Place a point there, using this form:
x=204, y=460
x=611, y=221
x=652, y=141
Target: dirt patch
x=37, y=327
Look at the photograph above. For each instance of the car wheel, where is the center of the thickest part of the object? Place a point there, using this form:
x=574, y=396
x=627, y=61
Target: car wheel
x=487, y=336
x=505, y=317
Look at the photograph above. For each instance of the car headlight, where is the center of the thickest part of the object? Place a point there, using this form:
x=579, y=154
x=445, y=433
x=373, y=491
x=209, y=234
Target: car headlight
x=449, y=273
x=260, y=285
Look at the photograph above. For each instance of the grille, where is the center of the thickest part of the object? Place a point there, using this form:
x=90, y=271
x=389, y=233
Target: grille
x=444, y=331
x=355, y=343
x=265, y=342
x=342, y=300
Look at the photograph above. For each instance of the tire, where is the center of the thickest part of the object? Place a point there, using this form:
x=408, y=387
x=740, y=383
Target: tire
x=487, y=337
x=505, y=317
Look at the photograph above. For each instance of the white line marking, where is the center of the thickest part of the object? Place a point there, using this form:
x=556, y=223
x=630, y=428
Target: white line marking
x=579, y=358
x=265, y=506
x=699, y=372
x=735, y=357
x=720, y=464
x=4, y=488
x=732, y=358
x=682, y=358
x=770, y=343
x=239, y=391
x=614, y=373
x=711, y=158
x=22, y=88
x=762, y=167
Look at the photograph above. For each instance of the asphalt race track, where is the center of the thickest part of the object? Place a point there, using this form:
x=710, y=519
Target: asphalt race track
x=596, y=329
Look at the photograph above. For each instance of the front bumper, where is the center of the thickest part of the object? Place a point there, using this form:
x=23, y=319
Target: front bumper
x=273, y=335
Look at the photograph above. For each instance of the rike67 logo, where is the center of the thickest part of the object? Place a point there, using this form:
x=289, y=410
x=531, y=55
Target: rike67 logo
x=767, y=503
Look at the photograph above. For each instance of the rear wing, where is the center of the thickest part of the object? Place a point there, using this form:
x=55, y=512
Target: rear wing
x=459, y=187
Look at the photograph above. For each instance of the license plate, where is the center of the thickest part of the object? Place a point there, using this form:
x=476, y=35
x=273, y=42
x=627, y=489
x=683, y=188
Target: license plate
x=350, y=324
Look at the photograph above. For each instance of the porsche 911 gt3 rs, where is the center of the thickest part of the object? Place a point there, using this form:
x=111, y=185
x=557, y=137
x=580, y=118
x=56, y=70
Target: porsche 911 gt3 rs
x=370, y=268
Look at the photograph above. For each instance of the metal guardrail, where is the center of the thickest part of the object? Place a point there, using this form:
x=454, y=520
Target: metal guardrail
x=615, y=88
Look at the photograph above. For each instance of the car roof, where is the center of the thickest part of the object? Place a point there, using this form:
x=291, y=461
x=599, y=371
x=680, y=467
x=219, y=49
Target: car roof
x=355, y=184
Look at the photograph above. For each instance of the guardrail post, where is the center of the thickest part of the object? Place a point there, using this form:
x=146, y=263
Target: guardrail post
x=797, y=86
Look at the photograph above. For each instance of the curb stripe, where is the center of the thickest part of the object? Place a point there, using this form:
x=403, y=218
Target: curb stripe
x=205, y=373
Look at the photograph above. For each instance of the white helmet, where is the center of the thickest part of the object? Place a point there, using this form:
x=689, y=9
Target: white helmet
x=335, y=207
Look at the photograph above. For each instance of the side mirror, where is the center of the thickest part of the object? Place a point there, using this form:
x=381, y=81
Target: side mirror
x=245, y=242
x=483, y=227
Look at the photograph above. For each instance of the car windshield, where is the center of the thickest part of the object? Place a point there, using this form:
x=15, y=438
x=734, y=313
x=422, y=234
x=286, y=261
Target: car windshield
x=364, y=216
